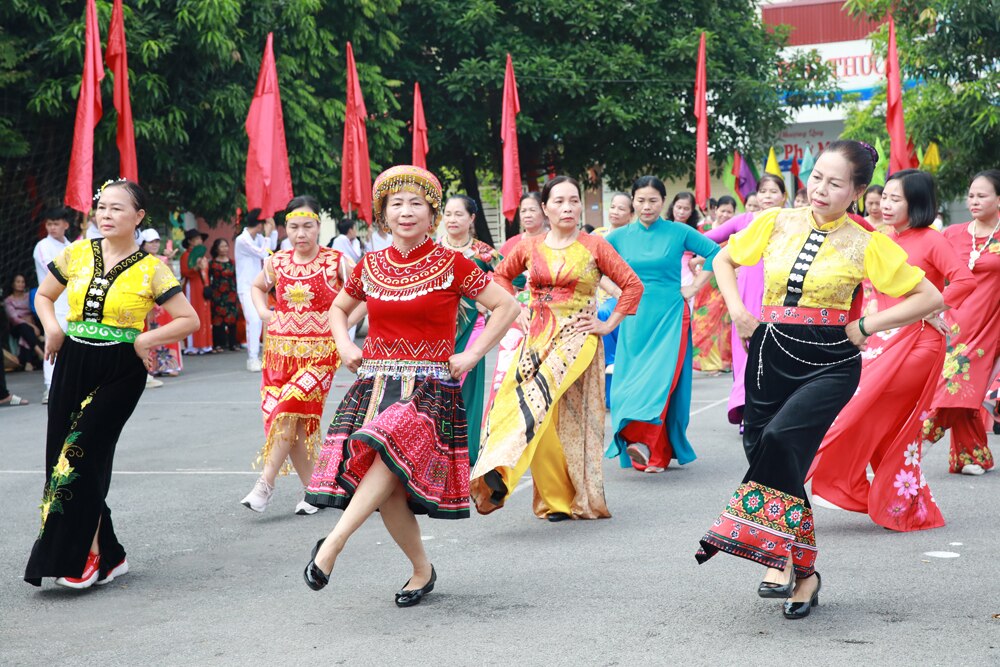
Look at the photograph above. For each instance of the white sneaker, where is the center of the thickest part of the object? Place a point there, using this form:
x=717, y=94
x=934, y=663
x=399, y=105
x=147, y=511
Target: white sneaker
x=639, y=453
x=253, y=365
x=45, y=396
x=259, y=498
x=116, y=571
x=305, y=509
x=152, y=382
x=973, y=469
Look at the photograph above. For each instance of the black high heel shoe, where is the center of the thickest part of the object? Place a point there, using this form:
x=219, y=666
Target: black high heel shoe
x=405, y=598
x=316, y=578
x=795, y=610
x=769, y=589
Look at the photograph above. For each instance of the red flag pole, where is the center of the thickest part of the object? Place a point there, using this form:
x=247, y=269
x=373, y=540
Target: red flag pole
x=80, y=181
x=511, y=183
x=268, y=177
x=116, y=56
x=899, y=157
x=702, y=184
x=356, y=172
x=420, y=145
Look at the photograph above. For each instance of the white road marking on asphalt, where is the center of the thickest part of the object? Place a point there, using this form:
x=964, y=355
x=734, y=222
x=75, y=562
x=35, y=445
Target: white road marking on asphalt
x=954, y=544
x=710, y=406
x=941, y=554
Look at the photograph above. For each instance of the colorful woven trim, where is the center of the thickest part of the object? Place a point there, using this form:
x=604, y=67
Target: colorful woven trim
x=404, y=369
x=98, y=331
x=302, y=214
x=796, y=315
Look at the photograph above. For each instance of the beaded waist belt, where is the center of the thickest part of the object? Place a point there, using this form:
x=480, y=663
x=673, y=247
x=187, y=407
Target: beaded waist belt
x=105, y=332
x=394, y=368
x=792, y=315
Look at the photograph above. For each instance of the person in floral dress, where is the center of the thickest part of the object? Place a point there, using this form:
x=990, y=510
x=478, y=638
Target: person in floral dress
x=974, y=344
x=225, y=302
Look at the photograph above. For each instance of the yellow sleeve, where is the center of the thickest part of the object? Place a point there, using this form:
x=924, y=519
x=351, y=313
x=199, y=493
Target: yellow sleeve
x=59, y=266
x=886, y=267
x=164, y=283
x=747, y=247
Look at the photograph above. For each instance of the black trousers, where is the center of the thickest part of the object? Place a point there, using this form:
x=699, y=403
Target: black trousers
x=792, y=399
x=94, y=391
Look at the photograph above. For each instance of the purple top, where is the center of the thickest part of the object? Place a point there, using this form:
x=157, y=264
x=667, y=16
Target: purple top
x=18, y=310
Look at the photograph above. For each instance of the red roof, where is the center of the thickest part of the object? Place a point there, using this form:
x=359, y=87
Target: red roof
x=817, y=21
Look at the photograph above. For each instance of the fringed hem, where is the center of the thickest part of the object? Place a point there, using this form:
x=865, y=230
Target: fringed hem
x=288, y=355
x=286, y=424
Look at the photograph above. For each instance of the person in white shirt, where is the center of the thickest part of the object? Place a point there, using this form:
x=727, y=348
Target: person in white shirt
x=57, y=221
x=347, y=241
x=376, y=240
x=91, y=231
x=257, y=241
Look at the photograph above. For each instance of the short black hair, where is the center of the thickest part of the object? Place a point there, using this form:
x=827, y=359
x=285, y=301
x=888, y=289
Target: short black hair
x=727, y=200
x=631, y=206
x=345, y=225
x=920, y=195
x=549, y=185
x=991, y=175
x=468, y=203
x=771, y=178
x=695, y=213
x=303, y=201
x=134, y=190
x=58, y=213
x=252, y=218
x=649, y=181
x=861, y=156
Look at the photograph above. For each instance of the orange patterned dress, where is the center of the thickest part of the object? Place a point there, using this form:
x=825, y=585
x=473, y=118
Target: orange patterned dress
x=300, y=356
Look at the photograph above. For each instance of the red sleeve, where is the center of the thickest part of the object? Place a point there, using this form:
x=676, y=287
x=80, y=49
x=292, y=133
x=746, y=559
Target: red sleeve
x=961, y=282
x=469, y=278
x=354, y=287
x=611, y=264
x=513, y=265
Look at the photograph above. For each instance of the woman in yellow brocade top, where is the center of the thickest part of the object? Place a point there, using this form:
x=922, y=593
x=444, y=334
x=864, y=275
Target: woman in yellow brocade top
x=549, y=411
x=804, y=362
x=100, y=371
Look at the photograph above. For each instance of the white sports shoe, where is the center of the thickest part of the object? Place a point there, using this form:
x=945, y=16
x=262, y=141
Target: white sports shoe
x=305, y=509
x=972, y=469
x=152, y=382
x=45, y=396
x=259, y=498
x=253, y=365
x=116, y=571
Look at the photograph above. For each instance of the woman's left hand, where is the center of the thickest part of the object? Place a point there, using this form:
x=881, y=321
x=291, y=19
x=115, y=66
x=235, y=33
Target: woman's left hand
x=588, y=323
x=858, y=339
x=461, y=363
x=688, y=292
x=143, y=350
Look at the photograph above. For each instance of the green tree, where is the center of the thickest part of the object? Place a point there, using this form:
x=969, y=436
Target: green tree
x=193, y=67
x=606, y=87
x=952, y=48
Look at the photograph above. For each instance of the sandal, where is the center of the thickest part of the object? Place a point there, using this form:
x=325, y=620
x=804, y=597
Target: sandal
x=13, y=399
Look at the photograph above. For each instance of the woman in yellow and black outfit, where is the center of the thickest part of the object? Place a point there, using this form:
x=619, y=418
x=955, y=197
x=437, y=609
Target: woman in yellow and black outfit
x=100, y=371
x=804, y=362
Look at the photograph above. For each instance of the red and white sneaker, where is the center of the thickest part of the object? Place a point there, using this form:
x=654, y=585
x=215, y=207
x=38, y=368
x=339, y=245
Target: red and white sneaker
x=116, y=571
x=90, y=573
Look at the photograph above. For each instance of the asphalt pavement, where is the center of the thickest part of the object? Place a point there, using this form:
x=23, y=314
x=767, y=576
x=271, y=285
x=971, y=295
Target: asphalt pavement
x=212, y=583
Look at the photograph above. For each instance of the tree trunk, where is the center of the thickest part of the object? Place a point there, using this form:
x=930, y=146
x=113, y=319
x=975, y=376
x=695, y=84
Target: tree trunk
x=470, y=181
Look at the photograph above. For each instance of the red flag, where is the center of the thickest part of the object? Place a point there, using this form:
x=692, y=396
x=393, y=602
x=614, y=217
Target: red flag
x=268, y=177
x=795, y=174
x=80, y=182
x=702, y=184
x=116, y=57
x=508, y=135
x=900, y=149
x=356, y=170
x=420, y=145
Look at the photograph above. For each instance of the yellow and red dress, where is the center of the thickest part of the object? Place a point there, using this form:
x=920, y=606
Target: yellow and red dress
x=548, y=413
x=300, y=356
x=405, y=407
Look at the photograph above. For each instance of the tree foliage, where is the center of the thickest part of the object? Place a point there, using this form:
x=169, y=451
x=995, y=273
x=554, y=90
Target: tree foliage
x=605, y=87
x=953, y=48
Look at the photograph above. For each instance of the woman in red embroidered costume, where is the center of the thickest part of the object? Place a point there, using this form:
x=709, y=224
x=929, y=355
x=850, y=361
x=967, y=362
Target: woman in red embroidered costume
x=398, y=441
x=974, y=346
x=804, y=361
x=194, y=271
x=882, y=423
x=459, y=220
x=300, y=357
x=549, y=412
